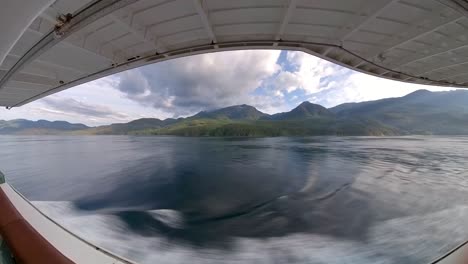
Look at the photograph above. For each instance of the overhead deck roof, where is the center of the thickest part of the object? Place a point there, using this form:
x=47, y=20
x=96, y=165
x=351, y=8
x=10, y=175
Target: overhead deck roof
x=43, y=50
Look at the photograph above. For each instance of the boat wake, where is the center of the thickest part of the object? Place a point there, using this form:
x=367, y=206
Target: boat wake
x=410, y=239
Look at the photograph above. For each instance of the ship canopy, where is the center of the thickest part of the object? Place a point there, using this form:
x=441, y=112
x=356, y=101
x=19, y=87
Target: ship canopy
x=47, y=46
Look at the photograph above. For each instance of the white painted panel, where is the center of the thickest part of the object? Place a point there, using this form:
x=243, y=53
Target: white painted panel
x=246, y=16
x=15, y=18
x=383, y=36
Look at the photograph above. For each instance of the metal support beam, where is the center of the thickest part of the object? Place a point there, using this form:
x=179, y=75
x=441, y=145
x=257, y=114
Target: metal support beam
x=69, y=24
x=205, y=21
x=286, y=18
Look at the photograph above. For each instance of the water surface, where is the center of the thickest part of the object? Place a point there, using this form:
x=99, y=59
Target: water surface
x=250, y=200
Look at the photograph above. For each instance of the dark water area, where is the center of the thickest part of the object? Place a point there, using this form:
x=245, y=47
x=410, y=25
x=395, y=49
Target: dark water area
x=250, y=200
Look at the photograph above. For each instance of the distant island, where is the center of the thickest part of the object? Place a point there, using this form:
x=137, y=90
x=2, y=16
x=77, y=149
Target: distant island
x=418, y=113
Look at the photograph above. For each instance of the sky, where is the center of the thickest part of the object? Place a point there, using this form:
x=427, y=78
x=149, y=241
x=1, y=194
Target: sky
x=271, y=80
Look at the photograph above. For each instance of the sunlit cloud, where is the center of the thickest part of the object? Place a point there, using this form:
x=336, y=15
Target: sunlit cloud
x=187, y=85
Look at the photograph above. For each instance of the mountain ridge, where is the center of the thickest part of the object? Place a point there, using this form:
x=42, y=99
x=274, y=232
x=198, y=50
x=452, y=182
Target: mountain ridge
x=234, y=112
x=304, y=110
x=420, y=112
x=24, y=126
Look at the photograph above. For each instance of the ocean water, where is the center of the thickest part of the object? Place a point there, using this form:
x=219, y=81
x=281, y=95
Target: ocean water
x=250, y=200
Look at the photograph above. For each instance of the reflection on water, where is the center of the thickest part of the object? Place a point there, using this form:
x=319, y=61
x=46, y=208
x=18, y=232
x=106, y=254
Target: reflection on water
x=238, y=200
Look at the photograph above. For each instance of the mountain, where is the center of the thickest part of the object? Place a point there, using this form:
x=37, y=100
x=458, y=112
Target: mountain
x=245, y=120
x=23, y=126
x=420, y=112
x=130, y=127
x=235, y=112
x=303, y=111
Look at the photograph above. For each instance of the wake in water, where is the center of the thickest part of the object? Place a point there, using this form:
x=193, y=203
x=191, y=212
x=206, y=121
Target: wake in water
x=413, y=239
x=274, y=200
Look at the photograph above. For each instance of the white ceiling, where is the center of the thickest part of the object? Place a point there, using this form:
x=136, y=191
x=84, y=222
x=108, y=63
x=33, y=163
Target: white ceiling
x=418, y=41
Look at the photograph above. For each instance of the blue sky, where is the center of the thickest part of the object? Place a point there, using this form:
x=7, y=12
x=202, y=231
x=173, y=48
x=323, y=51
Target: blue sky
x=271, y=80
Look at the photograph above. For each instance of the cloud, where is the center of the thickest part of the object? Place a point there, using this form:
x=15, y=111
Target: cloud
x=305, y=72
x=306, y=77
x=75, y=107
x=272, y=81
x=186, y=85
x=358, y=87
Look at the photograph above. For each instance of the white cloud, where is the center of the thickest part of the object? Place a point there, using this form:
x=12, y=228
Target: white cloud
x=329, y=84
x=99, y=95
x=307, y=74
x=186, y=85
x=358, y=87
x=76, y=107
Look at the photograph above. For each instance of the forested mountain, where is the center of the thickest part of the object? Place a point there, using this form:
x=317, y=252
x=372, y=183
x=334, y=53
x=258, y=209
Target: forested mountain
x=421, y=112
